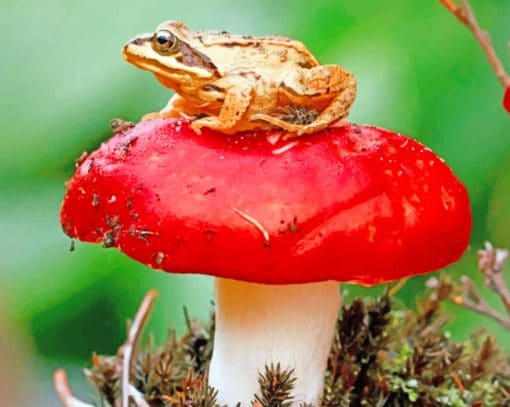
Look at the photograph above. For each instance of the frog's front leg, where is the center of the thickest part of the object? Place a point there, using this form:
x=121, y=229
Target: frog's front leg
x=318, y=82
x=177, y=106
x=235, y=105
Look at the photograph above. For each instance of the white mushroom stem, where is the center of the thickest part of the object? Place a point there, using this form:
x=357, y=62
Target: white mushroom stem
x=257, y=325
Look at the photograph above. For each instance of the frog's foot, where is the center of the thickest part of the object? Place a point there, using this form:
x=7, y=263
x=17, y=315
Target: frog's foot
x=212, y=122
x=150, y=116
x=234, y=107
x=161, y=115
x=296, y=129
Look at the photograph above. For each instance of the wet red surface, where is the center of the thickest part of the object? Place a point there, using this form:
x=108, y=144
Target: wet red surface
x=354, y=203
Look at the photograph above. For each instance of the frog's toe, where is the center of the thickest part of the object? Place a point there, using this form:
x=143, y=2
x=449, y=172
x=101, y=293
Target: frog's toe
x=261, y=117
x=150, y=116
x=308, y=129
x=274, y=121
x=197, y=125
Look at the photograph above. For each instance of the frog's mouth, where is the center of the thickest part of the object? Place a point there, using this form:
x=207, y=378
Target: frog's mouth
x=137, y=51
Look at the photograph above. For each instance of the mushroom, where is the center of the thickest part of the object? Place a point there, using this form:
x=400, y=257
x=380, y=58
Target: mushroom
x=506, y=99
x=278, y=223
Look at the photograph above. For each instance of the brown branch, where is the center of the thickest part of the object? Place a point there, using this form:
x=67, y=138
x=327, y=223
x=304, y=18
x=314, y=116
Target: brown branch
x=64, y=392
x=128, y=349
x=473, y=301
x=491, y=262
x=464, y=13
x=455, y=10
x=397, y=286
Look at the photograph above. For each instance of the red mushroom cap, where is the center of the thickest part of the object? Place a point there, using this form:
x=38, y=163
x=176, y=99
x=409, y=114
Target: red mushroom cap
x=506, y=99
x=355, y=203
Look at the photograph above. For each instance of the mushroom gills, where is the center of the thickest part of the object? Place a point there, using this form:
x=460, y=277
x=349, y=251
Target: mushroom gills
x=257, y=325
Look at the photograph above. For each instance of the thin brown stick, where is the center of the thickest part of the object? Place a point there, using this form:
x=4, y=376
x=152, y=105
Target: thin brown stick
x=483, y=308
x=485, y=41
x=397, y=286
x=458, y=383
x=128, y=349
x=466, y=16
x=473, y=301
x=64, y=392
x=455, y=10
x=491, y=262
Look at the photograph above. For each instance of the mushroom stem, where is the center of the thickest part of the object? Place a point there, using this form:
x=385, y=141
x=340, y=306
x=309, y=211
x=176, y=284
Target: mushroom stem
x=260, y=324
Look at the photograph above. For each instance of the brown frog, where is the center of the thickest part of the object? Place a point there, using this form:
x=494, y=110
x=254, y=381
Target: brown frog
x=232, y=83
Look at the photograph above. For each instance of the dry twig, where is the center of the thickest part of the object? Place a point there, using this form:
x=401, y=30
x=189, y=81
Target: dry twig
x=126, y=354
x=64, y=392
x=129, y=347
x=474, y=302
x=491, y=262
x=395, y=288
x=464, y=13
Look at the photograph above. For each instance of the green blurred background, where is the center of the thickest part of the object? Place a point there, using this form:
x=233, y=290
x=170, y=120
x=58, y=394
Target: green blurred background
x=62, y=80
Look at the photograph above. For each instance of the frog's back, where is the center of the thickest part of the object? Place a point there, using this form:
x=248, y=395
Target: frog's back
x=241, y=51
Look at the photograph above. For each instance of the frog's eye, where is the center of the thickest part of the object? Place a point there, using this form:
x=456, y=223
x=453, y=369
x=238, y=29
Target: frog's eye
x=164, y=41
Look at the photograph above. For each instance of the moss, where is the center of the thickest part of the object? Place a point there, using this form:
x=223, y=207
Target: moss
x=380, y=357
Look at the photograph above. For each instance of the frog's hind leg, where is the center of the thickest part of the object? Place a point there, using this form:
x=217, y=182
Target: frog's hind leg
x=328, y=80
x=321, y=81
x=237, y=100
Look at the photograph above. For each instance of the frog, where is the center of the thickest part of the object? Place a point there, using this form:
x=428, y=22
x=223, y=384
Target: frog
x=232, y=83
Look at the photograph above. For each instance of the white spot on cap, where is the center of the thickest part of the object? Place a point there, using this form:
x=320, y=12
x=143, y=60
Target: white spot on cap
x=371, y=232
x=447, y=199
x=285, y=148
x=410, y=215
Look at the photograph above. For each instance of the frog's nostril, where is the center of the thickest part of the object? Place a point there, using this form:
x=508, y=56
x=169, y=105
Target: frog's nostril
x=138, y=41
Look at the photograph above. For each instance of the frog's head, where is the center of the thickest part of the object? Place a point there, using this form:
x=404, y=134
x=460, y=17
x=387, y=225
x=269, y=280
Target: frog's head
x=172, y=54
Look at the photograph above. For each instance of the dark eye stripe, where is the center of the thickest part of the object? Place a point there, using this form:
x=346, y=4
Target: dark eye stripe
x=192, y=57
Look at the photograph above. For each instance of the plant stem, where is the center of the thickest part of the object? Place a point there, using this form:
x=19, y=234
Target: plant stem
x=129, y=347
x=467, y=17
x=64, y=392
x=258, y=324
x=491, y=262
x=473, y=301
